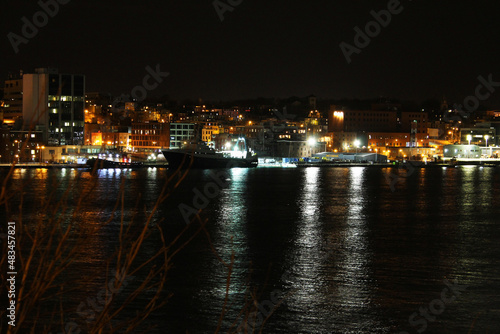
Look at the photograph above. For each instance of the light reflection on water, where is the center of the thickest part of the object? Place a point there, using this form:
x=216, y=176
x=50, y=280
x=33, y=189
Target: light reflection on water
x=361, y=257
x=305, y=266
x=354, y=290
x=230, y=235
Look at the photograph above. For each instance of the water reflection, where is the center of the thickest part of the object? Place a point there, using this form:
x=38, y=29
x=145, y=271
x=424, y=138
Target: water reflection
x=232, y=216
x=485, y=187
x=361, y=257
x=356, y=285
x=308, y=238
x=469, y=189
x=229, y=237
x=306, y=268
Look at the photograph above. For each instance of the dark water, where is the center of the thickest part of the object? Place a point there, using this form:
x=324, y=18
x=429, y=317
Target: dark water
x=355, y=250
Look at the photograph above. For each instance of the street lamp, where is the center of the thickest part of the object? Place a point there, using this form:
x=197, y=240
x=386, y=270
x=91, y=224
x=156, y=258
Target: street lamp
x=469, y=137
x=41, y=154
x=311, y=143
x=357, y=143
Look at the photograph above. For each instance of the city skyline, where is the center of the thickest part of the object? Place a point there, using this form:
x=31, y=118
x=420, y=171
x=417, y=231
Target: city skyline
x=216, y=51
x=237, y=166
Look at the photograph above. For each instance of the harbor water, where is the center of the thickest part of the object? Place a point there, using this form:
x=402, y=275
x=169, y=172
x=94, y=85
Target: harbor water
x=318, y=250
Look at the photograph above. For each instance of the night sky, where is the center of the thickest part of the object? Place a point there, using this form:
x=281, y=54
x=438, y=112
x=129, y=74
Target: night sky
x=264, y=48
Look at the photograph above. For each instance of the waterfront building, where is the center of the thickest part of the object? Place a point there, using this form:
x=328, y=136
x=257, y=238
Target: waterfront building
x=341, y=140
x=76, y=153
x=150, y=136
x=461, y=151
x=296, y=148
x=54, y=104
x=181, y=133
x=350, y=157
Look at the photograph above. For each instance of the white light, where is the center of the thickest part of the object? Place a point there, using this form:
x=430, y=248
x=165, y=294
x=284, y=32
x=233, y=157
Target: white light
x=312, y=141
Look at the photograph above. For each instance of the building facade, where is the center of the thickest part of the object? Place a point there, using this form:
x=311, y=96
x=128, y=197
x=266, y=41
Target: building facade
x=181, y=133
x=364, y=120
x=20, y=146
x=208, y=132
x=461, y=151
x=150, y=136
x=482, y=136
x=13, y=97
x=296, y=149
x=54, y=104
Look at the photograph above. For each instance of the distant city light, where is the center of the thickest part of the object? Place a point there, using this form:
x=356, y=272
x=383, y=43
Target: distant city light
x=338, y=114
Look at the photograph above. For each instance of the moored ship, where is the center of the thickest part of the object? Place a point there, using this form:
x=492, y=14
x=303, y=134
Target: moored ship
x=234, y=154
x=103, y=163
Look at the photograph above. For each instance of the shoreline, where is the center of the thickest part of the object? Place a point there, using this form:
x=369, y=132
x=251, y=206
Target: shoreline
x=77, y=166
x=414, y=164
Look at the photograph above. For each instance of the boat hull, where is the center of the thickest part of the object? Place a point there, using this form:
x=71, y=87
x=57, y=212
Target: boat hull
x=102, y=163
x=183, y=159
